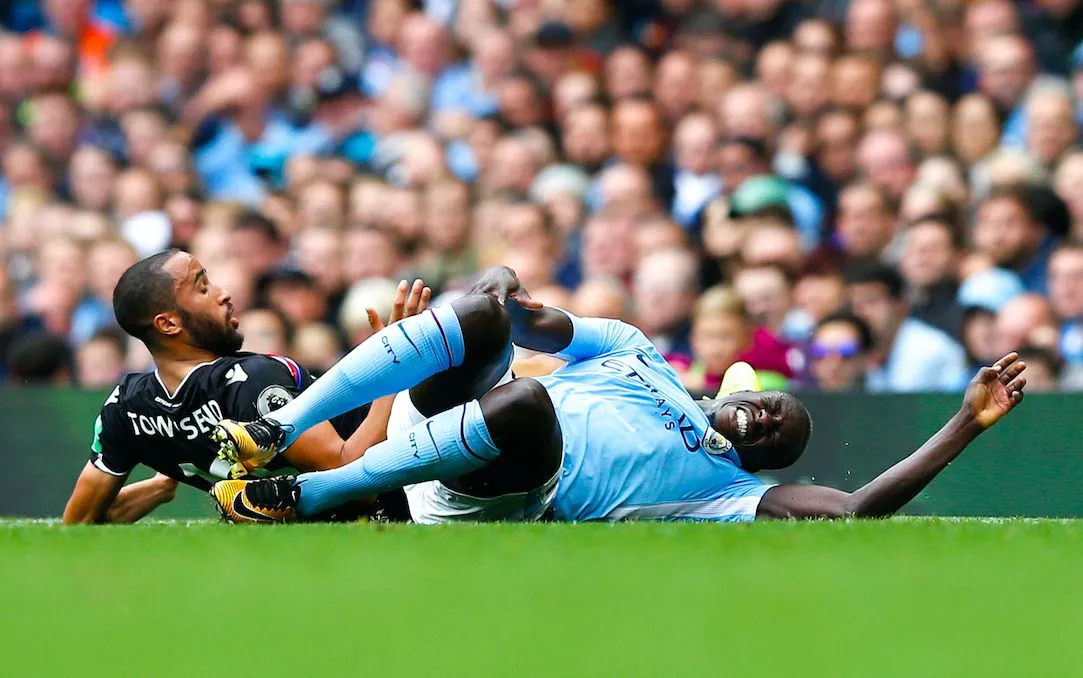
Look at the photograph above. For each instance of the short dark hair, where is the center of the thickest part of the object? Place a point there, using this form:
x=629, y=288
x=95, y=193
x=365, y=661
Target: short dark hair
x=38, y=357
x=251, y=220
x=1035, y=354
x=864, y=332
x=1068, y=246
x=1048, y=209
x=944, y=220
x=1017, y=193
x=288, y=329
x=387, y=234
x=111, y=335
x=875, y=272
x=144, y=291
x=757, y=147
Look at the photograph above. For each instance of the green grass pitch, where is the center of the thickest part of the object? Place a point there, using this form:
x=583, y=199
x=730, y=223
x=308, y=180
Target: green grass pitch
x=910, y=598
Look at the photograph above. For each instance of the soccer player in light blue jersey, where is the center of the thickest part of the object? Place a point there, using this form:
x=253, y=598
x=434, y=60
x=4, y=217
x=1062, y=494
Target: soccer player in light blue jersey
x=611, y=436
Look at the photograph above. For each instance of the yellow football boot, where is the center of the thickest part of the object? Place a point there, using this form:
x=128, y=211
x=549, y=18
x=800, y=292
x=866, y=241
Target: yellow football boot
x=247, y=445
x=268, y=500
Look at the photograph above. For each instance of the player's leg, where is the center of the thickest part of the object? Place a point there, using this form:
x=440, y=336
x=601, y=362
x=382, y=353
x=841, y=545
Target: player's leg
x=471, y=332
x=469, y=381
x=524, y=426
x=516, y=419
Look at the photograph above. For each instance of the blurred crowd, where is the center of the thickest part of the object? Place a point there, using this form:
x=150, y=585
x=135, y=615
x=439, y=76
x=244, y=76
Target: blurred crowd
x=874, y=195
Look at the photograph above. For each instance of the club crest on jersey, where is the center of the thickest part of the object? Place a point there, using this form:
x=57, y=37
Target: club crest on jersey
x=715, y=443
x=272, y=398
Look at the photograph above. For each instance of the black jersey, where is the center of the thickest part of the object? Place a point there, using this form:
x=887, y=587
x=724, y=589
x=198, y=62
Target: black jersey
x=141, y=422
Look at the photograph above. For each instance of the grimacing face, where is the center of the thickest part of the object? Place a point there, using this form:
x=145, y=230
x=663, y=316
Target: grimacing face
x=205, y=309
x=768, y=429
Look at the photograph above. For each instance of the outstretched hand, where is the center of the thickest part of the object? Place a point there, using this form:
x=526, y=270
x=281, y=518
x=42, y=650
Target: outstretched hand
x=502, y=283
x=404, y=305
x=996, y=390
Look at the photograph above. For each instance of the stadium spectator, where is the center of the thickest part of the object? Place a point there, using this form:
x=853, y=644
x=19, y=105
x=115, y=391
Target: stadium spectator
x=1051, y=122
x=767, y=292
x=865, y=224
x=374, y=293
x=909, y=355
x=887, y=158
x=100, y=362
x=696, y=180
x=316, y=346
x=266, y=330
x=1026, y=320
x=257, y=243
x=347, y=142
x=1066, y=298
x=838, y=353
x=1006, y=68
x=722, y=333
x=665, y=288
x=927, y=122
x=929, y=265
x=39, y=358
x=1047, y=368
x=1005, y=228
x=601, y=298
x=295, y=294
x=1068, y=185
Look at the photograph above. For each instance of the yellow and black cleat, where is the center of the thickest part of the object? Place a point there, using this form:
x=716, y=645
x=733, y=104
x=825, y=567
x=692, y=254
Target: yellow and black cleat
x=268, y=500
x=247, y=446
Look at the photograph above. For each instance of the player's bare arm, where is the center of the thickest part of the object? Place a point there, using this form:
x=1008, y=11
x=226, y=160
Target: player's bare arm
x=99, y=497
x=94, y=493
x=136, y=500
x=994, y=392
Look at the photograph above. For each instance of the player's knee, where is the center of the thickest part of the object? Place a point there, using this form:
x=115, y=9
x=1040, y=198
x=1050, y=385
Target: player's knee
x=484, y=322
x=519, y=409
x=534, y=402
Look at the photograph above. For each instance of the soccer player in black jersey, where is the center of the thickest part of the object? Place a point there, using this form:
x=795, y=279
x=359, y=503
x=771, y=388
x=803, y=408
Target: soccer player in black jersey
x=162, y=419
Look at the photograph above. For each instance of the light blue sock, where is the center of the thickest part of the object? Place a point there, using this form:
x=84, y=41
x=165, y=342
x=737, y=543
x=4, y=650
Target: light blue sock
x=446, y=446
x=394, y=359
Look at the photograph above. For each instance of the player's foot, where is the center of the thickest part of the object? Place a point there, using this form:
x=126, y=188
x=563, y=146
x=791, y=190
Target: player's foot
x=268, y=500
x=247, y=445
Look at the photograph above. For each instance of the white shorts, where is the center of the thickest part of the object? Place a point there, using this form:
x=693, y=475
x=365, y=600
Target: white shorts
x=432, y=502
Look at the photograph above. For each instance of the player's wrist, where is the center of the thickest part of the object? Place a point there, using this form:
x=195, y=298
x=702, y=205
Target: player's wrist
x=966, y=424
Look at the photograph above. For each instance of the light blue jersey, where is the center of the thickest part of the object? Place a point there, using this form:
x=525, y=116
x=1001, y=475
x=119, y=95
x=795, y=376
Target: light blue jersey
x=636, y=444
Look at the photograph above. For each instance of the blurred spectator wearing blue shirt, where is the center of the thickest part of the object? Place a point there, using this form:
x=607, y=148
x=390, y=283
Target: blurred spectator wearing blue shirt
x=1066, y=297
x=909, y=355
x=1006, y=229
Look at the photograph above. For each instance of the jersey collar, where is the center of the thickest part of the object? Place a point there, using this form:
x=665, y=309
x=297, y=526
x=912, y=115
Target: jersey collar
x=173, y=395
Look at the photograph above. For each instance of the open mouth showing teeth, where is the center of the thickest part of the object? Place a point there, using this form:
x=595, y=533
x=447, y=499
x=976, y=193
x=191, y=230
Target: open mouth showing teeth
x=742, y=424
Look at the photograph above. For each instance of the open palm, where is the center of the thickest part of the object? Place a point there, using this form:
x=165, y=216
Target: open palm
x=996, y=390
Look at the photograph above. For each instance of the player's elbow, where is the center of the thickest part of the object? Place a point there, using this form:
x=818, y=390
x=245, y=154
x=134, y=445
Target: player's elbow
x=855, y=507
x=168, y=489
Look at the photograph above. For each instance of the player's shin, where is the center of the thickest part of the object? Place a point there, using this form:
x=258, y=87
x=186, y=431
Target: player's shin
x=394, y=359
x=446, y=446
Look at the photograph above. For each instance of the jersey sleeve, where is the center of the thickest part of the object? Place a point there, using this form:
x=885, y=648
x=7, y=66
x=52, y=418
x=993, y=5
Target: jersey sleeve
x=737, y=502
x=593, y=337
x=110, y=450
x=266, y=384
